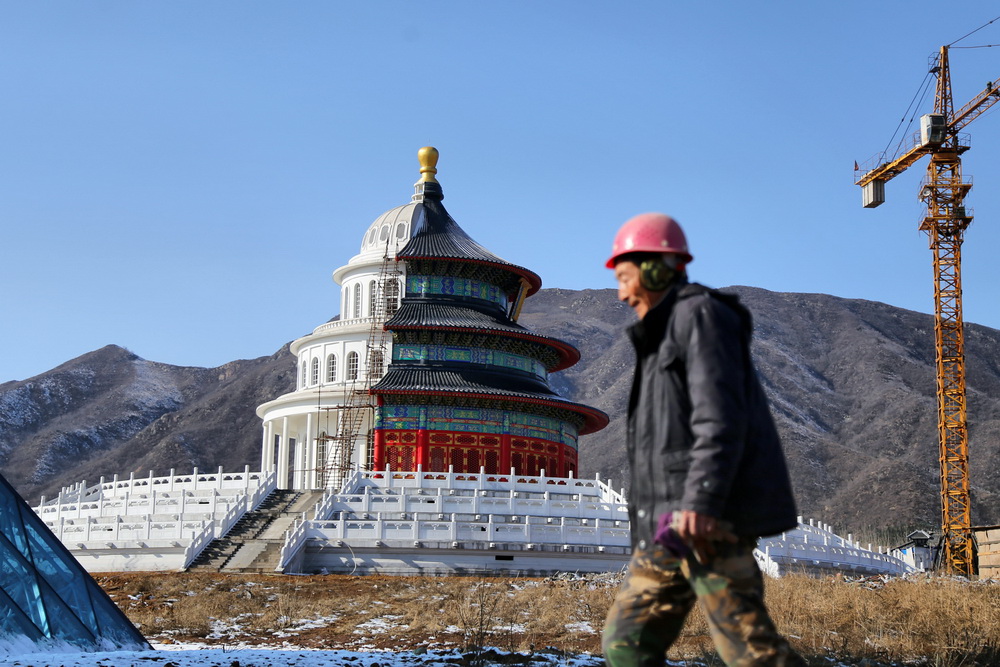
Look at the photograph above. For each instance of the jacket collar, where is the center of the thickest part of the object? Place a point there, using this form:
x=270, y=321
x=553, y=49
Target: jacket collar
x=647, y=333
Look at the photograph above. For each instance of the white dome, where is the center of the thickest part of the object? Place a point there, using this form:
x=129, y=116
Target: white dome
x=393, y=227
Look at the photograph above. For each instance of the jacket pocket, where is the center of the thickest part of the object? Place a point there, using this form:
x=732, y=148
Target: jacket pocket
x=677, y=461
x=675, y=471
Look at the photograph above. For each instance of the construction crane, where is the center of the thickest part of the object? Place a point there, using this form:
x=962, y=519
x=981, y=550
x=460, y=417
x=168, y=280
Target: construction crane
x=944, y=191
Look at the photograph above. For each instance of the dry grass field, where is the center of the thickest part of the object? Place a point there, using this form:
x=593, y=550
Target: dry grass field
x=921, y=621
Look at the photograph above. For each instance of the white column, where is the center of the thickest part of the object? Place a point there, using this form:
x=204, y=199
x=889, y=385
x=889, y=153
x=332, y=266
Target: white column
x=310, y=479
x=283, y=455
x=298, y=459
x=265, y=446
x=271, y=446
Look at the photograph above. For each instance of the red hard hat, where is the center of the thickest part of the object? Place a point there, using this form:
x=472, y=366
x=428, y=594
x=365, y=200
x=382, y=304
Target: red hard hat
x=650, y=232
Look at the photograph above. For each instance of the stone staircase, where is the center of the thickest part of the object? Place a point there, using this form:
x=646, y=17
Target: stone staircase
x=254, y=542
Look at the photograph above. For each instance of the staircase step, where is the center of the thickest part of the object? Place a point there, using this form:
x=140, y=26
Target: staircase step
x=254, y=542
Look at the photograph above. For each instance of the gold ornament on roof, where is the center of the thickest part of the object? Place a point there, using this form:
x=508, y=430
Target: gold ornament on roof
x=428, y=156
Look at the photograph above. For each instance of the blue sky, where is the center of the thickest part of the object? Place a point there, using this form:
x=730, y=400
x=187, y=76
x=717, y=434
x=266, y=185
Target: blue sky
x=182, y=178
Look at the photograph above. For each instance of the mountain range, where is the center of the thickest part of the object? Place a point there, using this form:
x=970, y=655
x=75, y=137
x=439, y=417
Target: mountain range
x=851, y=384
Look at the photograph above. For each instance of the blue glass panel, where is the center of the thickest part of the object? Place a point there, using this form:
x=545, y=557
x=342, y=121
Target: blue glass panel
x=111, y=623
x=47, y=554
x=13, y=620
x=10, y=520
x=63, y=623
x=18, y=581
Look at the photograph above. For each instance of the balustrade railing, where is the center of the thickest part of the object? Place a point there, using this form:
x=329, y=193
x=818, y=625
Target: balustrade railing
x=815, y=545
x=193, y=481
x=175, y=511
x=526, y=530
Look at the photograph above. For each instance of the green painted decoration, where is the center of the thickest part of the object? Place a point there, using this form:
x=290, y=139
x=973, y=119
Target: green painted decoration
x=454, y=286
x=476, y=420
x=411, y=352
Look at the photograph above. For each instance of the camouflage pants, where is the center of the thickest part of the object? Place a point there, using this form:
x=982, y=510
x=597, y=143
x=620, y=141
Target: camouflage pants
x=659, y=591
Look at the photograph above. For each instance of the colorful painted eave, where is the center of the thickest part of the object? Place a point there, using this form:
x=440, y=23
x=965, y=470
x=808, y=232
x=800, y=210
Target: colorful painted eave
x=418, y=315
x=594, y=419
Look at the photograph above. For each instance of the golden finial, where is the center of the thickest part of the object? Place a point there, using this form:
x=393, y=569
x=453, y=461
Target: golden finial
x=428, y=156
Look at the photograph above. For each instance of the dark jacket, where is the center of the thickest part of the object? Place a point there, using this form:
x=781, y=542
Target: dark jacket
x=700, y=433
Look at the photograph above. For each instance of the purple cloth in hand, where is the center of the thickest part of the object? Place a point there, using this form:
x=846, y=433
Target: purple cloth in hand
x=668, y=538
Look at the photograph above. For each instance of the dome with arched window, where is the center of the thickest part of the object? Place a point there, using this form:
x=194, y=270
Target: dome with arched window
x=390, y=231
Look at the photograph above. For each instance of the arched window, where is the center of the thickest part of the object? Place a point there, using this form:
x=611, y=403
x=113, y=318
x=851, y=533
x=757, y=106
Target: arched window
x=331, y=368
x=391, y=297
x=314, y=376
x=376, y=365
x=303, y=383
x=357, y=300
x=352, y=366
x=373, y=298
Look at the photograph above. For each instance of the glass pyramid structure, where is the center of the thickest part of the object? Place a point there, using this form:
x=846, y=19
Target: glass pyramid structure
x=45, y=594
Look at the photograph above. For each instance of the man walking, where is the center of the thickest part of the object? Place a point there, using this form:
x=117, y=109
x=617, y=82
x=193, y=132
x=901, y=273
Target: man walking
x=708, y=476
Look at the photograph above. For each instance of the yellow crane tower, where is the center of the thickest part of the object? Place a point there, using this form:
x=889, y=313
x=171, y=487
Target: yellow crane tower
x=947, y=218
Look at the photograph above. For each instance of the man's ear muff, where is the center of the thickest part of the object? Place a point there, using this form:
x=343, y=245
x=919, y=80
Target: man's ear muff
x=655, y=275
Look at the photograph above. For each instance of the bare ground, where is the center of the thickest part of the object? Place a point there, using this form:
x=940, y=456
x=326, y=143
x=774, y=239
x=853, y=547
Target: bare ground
x=923, y=621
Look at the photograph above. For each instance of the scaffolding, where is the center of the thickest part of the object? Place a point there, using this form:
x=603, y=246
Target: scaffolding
x=355, y=415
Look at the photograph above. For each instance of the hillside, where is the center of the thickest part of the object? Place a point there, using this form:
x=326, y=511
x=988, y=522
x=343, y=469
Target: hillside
x=109, y=412
x=851, y=384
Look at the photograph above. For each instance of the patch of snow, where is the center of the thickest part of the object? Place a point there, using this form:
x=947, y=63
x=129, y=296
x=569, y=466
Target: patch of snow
x=152, y=390
x=296, y=627
x=17, y=408
x=378, y=625
x=13, y=645
x=582, y=627
x=25, y=653
x=64, y=446
x=21, y=406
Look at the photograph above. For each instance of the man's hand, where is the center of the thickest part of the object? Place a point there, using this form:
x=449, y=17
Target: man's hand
x=700, y=531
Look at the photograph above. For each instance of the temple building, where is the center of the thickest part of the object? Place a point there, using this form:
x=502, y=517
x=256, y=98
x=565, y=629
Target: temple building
x=425, y=412
x=465, y=388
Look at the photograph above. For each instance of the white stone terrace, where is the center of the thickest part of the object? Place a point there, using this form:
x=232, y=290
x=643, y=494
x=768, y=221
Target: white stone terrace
x=389, y=519
x=402, y=511
x=813, y=548
x=151, y=523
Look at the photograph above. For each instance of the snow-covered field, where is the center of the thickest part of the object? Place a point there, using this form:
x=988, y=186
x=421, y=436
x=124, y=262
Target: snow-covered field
x=18, y=654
